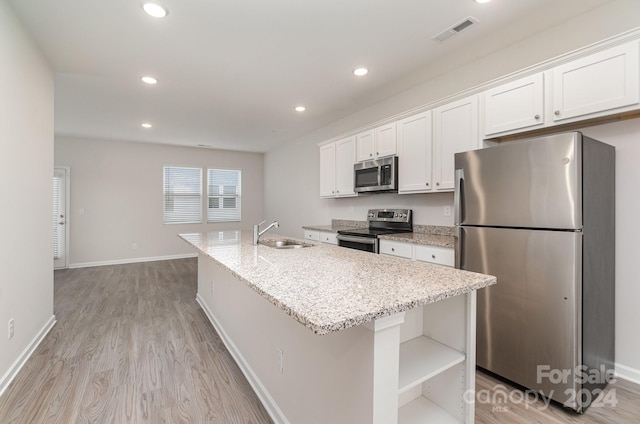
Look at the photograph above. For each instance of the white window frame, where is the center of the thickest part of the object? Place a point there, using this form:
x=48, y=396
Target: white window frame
x=232, y=214
x=190, y=217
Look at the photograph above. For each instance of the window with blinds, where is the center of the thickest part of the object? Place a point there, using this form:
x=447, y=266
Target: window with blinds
x=182, y=189
x=223, y=195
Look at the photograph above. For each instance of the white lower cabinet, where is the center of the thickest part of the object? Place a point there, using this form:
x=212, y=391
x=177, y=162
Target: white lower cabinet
x=323, y=236
x=435, y=254
x=312, y=235
x=395, y=248
x=425, y=253
x=327, y=237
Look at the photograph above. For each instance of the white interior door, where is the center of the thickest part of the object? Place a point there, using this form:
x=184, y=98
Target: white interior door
x=60, y=227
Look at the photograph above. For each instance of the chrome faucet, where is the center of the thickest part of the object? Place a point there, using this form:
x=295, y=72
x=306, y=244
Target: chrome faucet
x=257, y=233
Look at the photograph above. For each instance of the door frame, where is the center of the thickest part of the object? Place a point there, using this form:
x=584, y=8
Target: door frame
x=67, y=206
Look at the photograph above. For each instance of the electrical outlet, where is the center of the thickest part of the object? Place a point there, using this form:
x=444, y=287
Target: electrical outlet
x=280, y=359
x=11, y=328
x=447, y=211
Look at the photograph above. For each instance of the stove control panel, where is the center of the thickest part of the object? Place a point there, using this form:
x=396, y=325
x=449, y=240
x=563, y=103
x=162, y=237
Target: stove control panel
x=389, y=215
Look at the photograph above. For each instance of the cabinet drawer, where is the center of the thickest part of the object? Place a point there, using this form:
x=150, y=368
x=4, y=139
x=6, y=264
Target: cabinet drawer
x=328, y=237
x=395, y=248
x=436, y=254
x=311, y=235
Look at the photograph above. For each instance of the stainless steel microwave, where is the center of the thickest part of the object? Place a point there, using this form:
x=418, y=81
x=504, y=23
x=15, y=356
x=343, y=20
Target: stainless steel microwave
x=376, y=175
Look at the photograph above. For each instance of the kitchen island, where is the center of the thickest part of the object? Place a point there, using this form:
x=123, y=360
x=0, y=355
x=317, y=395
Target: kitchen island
x=327, y=334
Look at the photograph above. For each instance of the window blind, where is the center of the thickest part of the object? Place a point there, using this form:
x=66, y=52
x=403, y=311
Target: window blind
x=182, y=188
x=223, y=195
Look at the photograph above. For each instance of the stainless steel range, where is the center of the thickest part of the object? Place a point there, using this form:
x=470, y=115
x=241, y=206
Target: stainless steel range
x=381, y=221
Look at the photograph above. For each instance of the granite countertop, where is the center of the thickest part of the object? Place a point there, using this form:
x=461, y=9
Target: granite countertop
x=329, y=288
x=422, y=238
x=430, y=235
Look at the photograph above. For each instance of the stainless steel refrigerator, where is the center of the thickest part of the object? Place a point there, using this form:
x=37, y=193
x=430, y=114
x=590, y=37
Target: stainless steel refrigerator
x=539, y=215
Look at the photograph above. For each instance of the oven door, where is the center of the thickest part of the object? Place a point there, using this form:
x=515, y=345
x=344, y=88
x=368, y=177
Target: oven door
x=368, y=244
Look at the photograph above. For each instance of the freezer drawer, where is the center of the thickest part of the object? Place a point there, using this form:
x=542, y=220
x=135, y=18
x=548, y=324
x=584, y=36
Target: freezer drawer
x=528, y=324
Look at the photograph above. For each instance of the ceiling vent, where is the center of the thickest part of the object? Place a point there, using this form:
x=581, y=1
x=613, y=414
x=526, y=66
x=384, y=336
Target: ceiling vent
x=455, y=29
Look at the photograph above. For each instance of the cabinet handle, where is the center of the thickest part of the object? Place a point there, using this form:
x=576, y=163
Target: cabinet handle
x=427, y=184
x=437, y=184
x=433, y=256
x=537, y=117
x=393, y=249
x=377, y=153
x=557, y=113
x=370, y=154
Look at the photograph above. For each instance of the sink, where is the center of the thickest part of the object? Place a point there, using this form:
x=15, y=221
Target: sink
x=285, y=244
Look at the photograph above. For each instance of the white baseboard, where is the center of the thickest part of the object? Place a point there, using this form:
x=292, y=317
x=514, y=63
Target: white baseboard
x=133, y=260
x=13, y=370
x=263, y=394
x=628, y=373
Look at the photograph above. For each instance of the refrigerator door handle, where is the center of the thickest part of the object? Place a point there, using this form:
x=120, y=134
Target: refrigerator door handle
x=459, y=247
x=458, y=198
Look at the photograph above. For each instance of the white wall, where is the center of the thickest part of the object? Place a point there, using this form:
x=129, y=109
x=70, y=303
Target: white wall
x=625, y=136
x=292, y=170
x=26, y=172
x=118, y=186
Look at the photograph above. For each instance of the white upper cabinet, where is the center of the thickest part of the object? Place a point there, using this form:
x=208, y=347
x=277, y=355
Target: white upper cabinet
x=365, y=145
x=386, y=140
x=336, y=168
x=345, y=159
x=597, y=83
x=455, y=130
x=514, y=106
x=328, y=170
x=415, y=154
x=376, y=143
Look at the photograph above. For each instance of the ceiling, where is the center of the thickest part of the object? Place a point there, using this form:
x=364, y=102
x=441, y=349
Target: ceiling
x=230, y=72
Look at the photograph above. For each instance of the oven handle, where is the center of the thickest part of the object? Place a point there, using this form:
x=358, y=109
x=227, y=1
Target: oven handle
x=363, y=240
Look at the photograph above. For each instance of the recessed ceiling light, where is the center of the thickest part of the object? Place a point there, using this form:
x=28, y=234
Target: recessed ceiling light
x=155, y=10
x=146, y=125
x=482, y=1
x=360, y=72
x=300, y=108
x=149, y=80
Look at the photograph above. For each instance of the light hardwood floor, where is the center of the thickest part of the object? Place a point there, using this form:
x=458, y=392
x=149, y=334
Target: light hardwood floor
x=132, y=346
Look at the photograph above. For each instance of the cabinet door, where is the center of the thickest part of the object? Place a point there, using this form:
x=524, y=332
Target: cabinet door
x=311, y=235
x=345, y=159
x=414, y=154
x=328, y=170
x=386, y=140
x=596, y=83
x=456, y=130
x=328, y=237
x=365, y=142
x=436, y=255
x=394, y=248
x=514, y=106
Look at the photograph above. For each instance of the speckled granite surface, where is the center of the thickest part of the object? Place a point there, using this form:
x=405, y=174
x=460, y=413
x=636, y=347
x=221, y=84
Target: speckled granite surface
x=329, y=288
x=338, y=225
x=422, y=238
x=432, y=235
